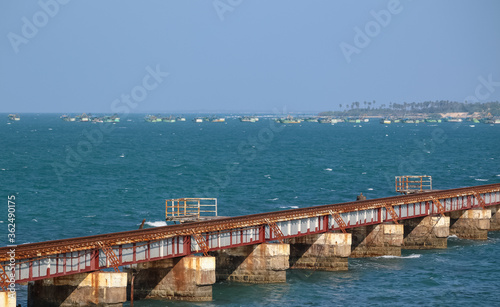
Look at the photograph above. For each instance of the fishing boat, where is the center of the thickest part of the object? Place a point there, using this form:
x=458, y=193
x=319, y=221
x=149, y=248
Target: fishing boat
x=353, y=120
x=14, y=117
x=454, y=120
x=66, y=118
x=218, y=120
x=169, y=119
x=249, y=119
x=325, y=120
x=152, y=119
x=289, y=120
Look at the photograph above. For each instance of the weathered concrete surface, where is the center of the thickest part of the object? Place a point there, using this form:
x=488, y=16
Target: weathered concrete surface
x=184, y=278
x=428, y=232
x=261, y=263
x=470, y=224
x=84, y=289
x=326, y=252
x=7, y=299
x=495, y=218
x=376, y=240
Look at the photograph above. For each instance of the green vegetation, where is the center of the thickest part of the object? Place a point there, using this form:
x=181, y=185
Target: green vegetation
x=414, y=108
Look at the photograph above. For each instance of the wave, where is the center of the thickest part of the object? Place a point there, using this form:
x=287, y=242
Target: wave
x=370, y=189
x=273, y=199
x=328, y=169
x=156, y=223
x=412, y=256
x=291, y=207
x=478, y=179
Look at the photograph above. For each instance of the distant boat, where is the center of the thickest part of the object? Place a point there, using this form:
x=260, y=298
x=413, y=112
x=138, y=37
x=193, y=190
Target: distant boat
x=14, y=117
x=409, y=121
x=169, y=119
x=385, y=121
x=354, y=120
x=289, y=120
x=218, y=120
x=454, y=120
x=83, y=118
x=327, y=120
x=250, y=119
x=66, y=118
x=198, y=120
x=181, y=119
x=152, y=119
x=432, y=120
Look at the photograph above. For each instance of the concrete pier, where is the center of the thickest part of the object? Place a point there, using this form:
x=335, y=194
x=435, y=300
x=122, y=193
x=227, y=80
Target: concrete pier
x=325, y=252
x=184, y=278
x=83, y=289
x=376, y=240
x=8, y=299
x=470, y=224
x=428, y=232
x=261, y=263
x=495, y=217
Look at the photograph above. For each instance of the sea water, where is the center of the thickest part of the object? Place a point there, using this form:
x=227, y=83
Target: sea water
x=77, y=179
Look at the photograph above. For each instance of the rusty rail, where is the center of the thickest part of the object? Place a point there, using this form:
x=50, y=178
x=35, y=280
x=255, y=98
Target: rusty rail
x=393, y=213
x=202, y=243
x=339, y=220
x=111, y=256
x=277, y=231
x=43, y=249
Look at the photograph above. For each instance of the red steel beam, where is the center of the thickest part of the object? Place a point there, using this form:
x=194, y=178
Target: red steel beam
x=43, y=249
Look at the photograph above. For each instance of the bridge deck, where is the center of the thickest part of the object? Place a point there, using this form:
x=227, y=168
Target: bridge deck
x=84, y=254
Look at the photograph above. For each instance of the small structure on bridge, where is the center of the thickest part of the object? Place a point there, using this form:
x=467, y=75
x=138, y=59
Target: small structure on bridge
x=413, y=184
x=190, y=209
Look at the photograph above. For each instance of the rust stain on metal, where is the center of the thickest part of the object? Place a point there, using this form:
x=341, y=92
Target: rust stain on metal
x=202, y=243
x=277, y=231
x=111, y=256
x=393, y=213
x=339, y=220
x=439, y=205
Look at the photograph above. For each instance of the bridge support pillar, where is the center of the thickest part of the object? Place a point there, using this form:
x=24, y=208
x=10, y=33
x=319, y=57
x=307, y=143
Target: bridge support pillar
x=187, y=278
x=495, y=217
x=8, y=299
x=261, y=263
x=82, y=289
x=377, y=240
x=470, y=224
x=428, y=232
x=325, y=252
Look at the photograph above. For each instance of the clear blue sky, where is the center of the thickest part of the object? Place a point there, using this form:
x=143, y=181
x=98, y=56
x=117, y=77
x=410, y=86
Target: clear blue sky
x=243, y=55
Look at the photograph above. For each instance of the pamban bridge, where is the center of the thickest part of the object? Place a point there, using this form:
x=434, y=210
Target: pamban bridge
x=182, y=261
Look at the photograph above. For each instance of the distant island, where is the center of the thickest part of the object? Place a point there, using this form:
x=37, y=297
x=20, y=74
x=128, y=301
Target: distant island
x=442, y=108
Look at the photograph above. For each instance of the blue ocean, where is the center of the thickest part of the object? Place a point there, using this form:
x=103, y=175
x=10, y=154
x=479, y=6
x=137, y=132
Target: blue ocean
x=77, y=179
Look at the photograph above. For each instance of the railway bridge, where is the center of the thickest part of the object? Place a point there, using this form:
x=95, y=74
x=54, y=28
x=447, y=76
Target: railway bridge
x=182, y=262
